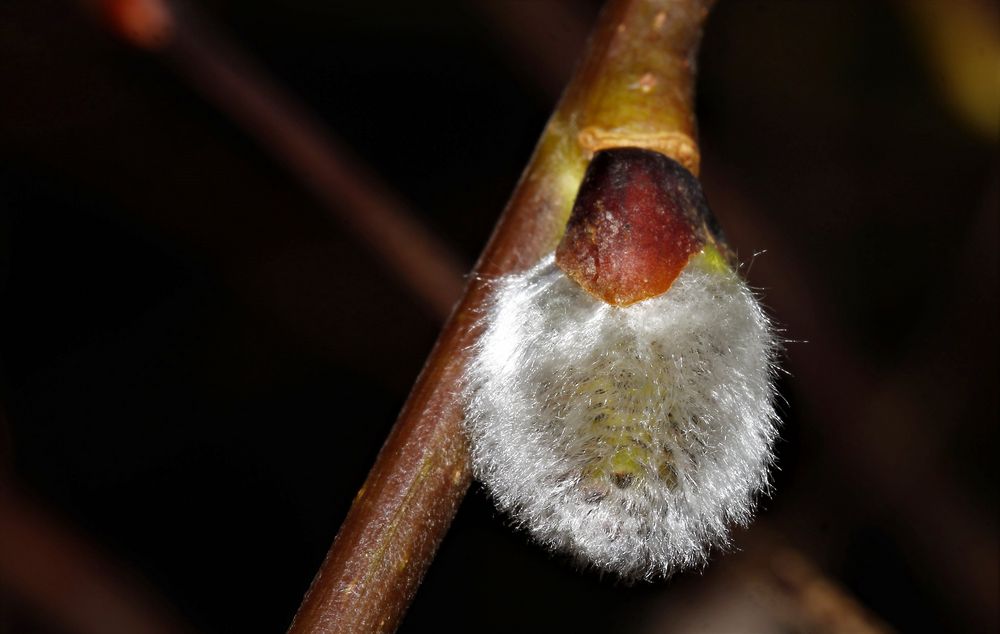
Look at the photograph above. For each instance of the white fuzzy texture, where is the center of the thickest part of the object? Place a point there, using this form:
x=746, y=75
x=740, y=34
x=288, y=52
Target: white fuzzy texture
x=563, y=388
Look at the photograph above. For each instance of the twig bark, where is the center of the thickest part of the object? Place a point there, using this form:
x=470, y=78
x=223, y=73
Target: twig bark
x=634, y=87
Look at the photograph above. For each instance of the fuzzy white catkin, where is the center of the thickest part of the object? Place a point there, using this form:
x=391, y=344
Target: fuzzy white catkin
x=682, y=381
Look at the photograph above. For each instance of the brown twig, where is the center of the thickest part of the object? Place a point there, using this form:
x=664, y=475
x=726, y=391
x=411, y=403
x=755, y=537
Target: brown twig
x=232, y=81
x=635, y=87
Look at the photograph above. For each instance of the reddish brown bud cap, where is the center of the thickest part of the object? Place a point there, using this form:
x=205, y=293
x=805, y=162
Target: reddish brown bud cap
x=637, y=220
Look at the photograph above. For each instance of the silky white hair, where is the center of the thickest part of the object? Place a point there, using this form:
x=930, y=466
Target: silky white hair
x=627, y=437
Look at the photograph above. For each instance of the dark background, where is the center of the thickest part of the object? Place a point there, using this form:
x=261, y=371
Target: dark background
x=200, y=362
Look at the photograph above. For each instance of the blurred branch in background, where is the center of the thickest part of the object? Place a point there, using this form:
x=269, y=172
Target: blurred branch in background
x=232, y=81
x=766, y=587
x=62, y=580
x=961, y=42
x=879, y=415
x=543, y=39
x=66, y=582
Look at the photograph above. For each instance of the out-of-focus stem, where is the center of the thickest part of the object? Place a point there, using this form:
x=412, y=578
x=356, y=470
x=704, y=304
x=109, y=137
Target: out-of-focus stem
x=635, y=86
x=61, y=577
x=66, y=581
x=230, y=80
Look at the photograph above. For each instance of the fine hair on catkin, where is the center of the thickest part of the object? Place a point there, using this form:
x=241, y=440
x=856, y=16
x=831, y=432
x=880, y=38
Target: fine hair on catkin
x=626, y=437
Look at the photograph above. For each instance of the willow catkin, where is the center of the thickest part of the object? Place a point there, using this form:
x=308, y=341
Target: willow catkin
x=627, y=437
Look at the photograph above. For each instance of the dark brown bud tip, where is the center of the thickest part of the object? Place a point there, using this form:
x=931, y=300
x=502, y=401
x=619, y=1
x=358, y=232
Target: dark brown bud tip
x=637, y=220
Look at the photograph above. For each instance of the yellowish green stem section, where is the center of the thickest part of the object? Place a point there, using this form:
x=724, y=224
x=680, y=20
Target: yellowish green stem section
x=634, y=88
x=711, y=259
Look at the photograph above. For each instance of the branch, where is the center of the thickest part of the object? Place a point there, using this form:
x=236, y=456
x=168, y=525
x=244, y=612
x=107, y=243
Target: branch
x=230, y=80
x=634, y=87
x=69, y=582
